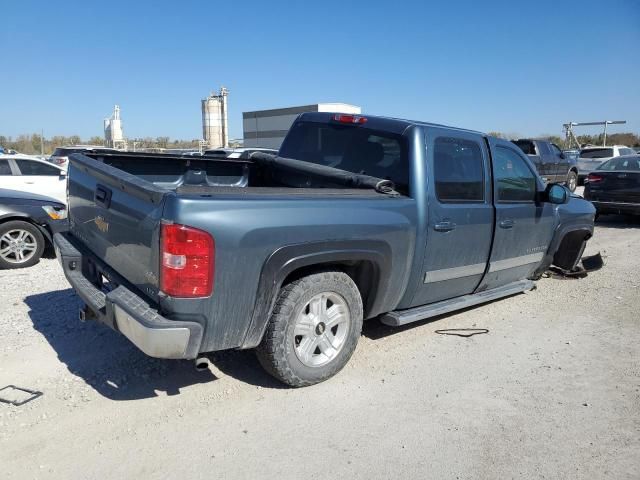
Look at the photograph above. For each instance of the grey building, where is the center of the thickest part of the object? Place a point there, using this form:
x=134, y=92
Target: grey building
x=267, y=128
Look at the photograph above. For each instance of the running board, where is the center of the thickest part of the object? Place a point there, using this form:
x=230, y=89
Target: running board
x=402, y=317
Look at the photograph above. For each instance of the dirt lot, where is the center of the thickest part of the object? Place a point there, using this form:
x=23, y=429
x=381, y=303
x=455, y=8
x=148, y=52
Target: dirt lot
x=552, y=391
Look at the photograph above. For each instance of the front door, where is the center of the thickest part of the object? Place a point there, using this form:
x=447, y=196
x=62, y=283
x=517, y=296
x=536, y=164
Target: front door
x=460, y=216
x=524, y=227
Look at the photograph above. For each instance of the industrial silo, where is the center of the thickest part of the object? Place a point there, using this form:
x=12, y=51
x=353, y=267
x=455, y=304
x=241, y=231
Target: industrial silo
x=214, y=119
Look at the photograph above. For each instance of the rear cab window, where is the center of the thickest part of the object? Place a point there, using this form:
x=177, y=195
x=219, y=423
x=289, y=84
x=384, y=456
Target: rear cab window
x=355, y=149
x=527, y=146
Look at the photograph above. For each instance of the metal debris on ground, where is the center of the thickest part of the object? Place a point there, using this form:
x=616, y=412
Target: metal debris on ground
x=17, y=395
x=589, y=264
x=462, y=332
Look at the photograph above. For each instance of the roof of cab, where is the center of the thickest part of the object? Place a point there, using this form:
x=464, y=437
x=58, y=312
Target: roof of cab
x=395, y=125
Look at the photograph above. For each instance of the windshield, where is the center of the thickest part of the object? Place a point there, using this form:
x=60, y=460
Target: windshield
x=351, y=148
x=596, y=153
x=624, y=163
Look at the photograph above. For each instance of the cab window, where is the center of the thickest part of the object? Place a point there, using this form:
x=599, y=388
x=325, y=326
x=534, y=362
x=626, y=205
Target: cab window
x=515, y=180
x=458, y=170
x=28, y=167
x=5, y=169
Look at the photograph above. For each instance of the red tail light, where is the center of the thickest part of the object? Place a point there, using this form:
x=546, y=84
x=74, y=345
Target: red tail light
x=187, y=261
x=354, y=119
x=593, y=178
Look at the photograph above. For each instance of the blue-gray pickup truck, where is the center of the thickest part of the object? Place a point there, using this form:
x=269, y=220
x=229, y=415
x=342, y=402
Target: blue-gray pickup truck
x=356, y=217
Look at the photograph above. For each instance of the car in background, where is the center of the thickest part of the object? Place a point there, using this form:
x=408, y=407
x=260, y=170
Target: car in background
x=27, y=224
x=552, y=164
x=237, y=152
x=60, y=156
x=29, y=174
x=592, y=157
x=614, y=187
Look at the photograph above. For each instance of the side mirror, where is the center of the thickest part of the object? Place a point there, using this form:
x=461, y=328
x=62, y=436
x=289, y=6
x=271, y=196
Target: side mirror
x=63, y=174
x=557, y=194
x=562, y=155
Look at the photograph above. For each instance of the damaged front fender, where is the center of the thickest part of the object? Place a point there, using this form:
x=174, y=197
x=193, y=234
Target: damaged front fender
x=575, y=227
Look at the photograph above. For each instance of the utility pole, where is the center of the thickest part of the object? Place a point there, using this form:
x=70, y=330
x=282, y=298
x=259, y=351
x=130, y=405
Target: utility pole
x=42, y=142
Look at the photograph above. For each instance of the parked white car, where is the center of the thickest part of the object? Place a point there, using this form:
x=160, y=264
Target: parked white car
x=591, y=158
x=29, y=174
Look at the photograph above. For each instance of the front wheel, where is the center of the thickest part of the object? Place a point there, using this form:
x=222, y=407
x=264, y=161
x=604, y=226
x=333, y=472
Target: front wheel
x=572, y=181
x=314, y=329
x=21, y=244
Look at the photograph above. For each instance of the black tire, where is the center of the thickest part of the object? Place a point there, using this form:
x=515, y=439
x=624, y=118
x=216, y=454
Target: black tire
x=572, y=181
x=277, y=351
x=34, y=232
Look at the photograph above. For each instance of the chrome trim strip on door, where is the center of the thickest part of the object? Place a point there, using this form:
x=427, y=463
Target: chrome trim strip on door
x=515, y=262
x=455, y=272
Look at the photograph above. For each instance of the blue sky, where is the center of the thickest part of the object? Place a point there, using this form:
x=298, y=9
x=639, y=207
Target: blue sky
x=519, y=67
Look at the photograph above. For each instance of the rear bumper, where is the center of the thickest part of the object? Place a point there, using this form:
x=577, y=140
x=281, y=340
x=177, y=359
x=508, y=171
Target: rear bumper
x=127, y=313
x=616, y=207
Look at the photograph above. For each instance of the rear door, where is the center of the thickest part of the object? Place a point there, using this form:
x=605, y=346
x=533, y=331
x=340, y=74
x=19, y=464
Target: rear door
x=524, y=227
x=547, y=168
x=460, y=215
x=41, y=178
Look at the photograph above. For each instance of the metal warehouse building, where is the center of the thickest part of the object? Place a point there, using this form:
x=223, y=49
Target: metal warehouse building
x=267, y=128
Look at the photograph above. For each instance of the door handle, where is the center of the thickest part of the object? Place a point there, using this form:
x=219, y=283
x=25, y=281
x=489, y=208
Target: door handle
x=444, y=226
x=506, y=224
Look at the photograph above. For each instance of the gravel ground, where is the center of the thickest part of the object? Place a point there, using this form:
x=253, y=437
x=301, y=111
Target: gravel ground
x=552, y=391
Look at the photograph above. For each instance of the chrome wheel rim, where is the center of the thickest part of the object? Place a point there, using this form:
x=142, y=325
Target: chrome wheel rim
x=573, y=183
x=17, y=246
x=321, y=329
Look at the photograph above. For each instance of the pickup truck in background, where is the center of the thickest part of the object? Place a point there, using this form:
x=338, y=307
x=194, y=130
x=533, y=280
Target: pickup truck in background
x=552, y=164
x=357, y=217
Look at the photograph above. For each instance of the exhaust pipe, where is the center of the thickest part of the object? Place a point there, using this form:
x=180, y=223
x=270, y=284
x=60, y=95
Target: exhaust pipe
x=202, y=363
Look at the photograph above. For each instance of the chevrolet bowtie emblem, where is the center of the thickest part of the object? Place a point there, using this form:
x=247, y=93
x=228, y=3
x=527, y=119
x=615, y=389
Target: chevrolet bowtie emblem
x=102, y=225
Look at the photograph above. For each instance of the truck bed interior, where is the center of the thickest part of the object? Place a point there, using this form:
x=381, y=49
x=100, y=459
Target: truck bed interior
x=208, y=176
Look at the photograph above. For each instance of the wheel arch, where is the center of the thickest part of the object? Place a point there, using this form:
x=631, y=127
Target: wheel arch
x=367, y=262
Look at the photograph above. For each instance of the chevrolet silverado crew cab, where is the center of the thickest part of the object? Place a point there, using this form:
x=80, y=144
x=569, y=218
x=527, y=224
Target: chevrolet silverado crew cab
x=552, y=164
x=356, y=217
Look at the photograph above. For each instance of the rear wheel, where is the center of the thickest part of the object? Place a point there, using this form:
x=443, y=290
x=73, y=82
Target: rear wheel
x=313, y=330
x=572, y=181
x=21, y=244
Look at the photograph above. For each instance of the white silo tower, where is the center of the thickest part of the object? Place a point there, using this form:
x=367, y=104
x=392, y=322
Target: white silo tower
x=214, y=119
x=113, y=134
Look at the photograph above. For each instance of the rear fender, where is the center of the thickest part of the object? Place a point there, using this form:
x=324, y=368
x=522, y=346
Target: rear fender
x=291, y=258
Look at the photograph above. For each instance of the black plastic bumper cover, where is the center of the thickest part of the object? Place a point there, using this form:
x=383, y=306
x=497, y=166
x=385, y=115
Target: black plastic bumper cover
x=126, y=312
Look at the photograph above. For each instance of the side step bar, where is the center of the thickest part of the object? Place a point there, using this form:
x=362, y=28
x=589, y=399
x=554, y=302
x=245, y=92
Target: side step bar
x=402, y=317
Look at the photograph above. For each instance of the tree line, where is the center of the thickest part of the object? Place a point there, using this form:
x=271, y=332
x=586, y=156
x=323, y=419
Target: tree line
x=35, y=144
